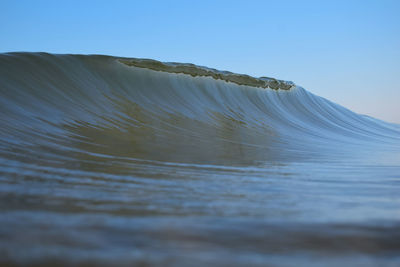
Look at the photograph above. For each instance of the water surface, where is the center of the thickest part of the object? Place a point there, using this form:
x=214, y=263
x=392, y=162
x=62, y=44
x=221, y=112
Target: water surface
x=108, y=163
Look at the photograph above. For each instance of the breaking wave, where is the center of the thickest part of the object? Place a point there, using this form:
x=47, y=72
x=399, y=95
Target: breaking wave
x=98, y=105
x=98, y=145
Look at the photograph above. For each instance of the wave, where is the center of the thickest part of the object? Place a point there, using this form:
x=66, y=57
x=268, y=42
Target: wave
x=101, y=156
x=139, y=109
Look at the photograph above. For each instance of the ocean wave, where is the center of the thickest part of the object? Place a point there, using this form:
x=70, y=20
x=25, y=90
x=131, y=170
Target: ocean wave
x=104, y=156
x=96, y=104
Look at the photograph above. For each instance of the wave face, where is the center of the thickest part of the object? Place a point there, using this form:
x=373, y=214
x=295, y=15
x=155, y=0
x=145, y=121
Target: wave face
x=105, y=160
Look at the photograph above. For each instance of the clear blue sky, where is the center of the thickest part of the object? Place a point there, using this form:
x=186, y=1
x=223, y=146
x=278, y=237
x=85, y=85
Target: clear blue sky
x=346, y=51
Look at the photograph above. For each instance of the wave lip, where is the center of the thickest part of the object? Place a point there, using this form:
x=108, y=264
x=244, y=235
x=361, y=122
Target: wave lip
x=194, y=70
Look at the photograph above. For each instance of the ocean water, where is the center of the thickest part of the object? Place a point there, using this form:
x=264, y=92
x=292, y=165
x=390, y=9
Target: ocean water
x=105, y=162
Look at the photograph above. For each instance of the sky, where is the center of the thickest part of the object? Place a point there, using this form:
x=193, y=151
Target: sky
x=345, y=51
